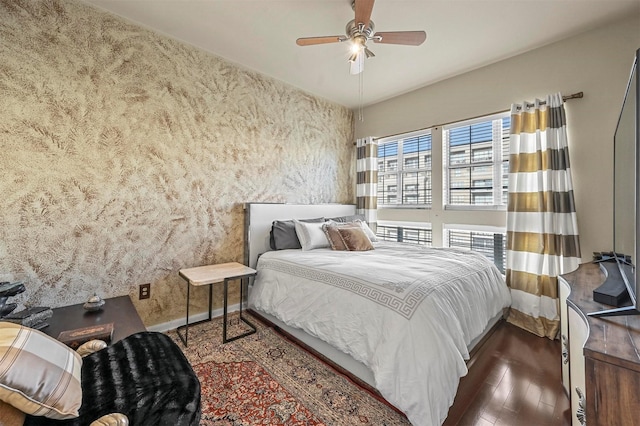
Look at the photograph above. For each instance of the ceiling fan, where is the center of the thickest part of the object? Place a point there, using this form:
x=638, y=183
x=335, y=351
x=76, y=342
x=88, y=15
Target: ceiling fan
x=360, y=30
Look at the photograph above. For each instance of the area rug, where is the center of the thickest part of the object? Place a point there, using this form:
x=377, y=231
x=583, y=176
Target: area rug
x=264, y=379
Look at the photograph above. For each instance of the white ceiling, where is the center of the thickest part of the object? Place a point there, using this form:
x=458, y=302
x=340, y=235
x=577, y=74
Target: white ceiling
x=462, y=35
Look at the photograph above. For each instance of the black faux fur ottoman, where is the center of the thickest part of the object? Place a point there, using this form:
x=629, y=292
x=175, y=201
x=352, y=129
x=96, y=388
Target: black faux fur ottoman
x=144, y=376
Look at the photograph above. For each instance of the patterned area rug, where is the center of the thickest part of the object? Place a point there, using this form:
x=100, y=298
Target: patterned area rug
x=264, y=379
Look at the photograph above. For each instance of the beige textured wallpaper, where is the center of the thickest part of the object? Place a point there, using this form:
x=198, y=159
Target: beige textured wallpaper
x=126, y=155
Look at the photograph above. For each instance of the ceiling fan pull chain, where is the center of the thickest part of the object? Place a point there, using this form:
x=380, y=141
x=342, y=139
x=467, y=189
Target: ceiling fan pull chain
x=360, y=96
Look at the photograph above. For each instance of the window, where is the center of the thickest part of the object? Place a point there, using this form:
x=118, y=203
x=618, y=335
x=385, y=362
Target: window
x=411, y=163
x=404, y=233
x=489, y=242
x=471, y=166
x=411, y=183
x=476, y=162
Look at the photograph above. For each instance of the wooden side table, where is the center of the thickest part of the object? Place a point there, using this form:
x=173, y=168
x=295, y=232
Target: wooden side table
x=209, y=275
x=118, y=310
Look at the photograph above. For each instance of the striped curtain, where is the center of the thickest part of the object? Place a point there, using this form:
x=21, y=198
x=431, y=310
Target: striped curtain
x=542, y=230
x=367, y=180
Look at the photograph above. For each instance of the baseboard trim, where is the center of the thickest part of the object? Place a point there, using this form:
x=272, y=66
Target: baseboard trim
x=173, y=324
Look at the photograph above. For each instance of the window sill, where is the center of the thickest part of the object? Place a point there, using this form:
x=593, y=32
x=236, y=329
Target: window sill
x=475, y=208
x=406, y=206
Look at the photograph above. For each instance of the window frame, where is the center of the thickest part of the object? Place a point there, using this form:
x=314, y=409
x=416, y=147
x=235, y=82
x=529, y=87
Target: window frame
x=400, y=170
x=497, y=161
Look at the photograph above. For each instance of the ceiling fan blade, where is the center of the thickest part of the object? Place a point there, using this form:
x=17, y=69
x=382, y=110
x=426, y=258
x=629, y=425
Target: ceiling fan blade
x=363, y=11
x=411, y=38
x=308, y=41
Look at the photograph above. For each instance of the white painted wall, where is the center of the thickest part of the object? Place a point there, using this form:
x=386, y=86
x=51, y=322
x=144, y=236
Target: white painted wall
x=597, y=63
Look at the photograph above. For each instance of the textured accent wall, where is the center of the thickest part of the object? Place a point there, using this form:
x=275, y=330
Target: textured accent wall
x=126, y=155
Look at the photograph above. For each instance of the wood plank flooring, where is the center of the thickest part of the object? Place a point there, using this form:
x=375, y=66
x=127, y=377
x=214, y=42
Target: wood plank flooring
x=514, y=379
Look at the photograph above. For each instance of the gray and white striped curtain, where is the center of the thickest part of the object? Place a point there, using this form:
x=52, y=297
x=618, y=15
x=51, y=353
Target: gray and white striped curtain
x=367, y=180
x=542, y=230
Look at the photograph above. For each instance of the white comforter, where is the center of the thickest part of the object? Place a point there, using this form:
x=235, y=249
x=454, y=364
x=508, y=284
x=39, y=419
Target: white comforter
x=407, y=312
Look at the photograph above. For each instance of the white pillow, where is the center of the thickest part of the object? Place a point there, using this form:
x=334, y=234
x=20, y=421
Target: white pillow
x=311, y=235
x=367, y=230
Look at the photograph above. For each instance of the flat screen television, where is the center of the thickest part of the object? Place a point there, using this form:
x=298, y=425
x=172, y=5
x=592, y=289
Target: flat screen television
x=626, y=194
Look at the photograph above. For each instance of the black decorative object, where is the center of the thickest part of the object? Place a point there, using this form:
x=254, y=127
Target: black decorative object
x=613, y=291
x=6, y=308
x=32, y=317
x=7, y=290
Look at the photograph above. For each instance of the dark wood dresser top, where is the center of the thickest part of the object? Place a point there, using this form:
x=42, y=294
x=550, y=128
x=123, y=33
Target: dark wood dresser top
x=118, y=310
x=615, y=340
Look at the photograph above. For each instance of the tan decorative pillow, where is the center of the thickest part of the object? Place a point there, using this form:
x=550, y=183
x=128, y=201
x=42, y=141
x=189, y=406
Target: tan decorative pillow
x=355, y=239
x=330, y=229
x=38, y=375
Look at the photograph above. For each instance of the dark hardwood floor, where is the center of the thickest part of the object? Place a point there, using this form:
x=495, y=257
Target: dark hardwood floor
x=514, y=379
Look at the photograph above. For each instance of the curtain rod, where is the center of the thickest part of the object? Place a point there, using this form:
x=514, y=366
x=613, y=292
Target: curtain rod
x=577, y=95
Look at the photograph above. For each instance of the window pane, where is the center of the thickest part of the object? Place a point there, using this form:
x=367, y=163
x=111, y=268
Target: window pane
x=459, y=156
x=473, y=158
x=506, y=125
x=417, y=188
x=459, y=178
x=405, y=234
x=387, y=189
x=411, y=162
x=388, y=156
x=404, y=171
x=418, y=149
x=480, y=154
x=459, y=197
x=387, y=233
x=505, y=182
x=492, y=245
x=482, y=177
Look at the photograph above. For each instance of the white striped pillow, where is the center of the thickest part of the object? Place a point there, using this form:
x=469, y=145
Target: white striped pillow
x=38, y=375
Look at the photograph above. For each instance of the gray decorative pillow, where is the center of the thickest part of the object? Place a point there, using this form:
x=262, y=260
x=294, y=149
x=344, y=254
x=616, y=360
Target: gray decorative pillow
x=283, y=234
x=351, y=218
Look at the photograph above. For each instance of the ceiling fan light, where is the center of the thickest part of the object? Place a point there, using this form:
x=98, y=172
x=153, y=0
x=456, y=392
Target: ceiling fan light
x=353, y=57
x=368, y=53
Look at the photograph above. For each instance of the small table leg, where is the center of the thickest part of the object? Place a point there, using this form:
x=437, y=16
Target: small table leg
x=185, y=338
x=243, y=282
x=186, y=326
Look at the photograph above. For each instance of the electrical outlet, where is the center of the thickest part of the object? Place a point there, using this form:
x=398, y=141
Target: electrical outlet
x=145, y=291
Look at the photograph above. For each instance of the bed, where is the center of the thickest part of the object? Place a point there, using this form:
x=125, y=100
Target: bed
x=401, y=317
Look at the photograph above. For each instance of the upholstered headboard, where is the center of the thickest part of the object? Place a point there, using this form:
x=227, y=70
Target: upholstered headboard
x=259, y=217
